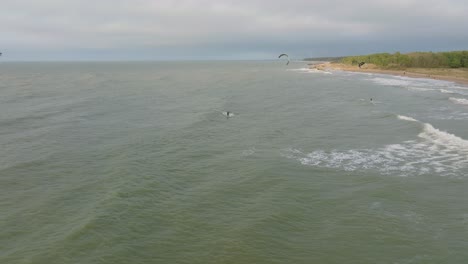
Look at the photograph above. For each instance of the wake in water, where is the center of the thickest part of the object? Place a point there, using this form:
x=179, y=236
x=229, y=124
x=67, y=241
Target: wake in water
x=228, y=114
x=435, y=152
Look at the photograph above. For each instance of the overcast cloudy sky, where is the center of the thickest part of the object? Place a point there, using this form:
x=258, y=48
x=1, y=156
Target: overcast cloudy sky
x=226, y=29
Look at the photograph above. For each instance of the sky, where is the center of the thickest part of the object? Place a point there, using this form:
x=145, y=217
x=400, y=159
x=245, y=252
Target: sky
x=226, y=29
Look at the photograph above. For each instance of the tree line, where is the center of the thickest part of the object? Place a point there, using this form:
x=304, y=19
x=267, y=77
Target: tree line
x=330, y=59
x=451, y=59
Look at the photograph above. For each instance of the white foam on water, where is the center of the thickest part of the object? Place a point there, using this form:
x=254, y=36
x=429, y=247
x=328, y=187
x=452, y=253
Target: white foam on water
x=445, y=139
x=390, y=81
x=412, y=84
x=419, y=84
x=349, y=73
x=300, y=69
x=308, y=70
x=461, y=101
x=458, y=87
x=248, y=152
x=455, y=91
x=407, y=118
x=434, y=152
x=319, y=71
x=446, y=91
x=419, y=89
x=457, y=115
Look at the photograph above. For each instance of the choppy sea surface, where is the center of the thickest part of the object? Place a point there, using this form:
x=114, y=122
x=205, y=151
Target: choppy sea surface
x=135, y=162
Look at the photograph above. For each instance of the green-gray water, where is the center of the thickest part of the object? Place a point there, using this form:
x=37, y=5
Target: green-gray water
x=135, y=163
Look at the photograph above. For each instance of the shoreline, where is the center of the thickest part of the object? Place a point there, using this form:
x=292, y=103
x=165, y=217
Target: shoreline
x=405, y=73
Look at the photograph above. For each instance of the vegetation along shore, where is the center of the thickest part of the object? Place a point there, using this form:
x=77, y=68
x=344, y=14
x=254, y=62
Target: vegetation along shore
x=450, y=66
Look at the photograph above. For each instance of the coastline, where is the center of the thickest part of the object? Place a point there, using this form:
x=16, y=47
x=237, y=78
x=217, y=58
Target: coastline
x=453, y=75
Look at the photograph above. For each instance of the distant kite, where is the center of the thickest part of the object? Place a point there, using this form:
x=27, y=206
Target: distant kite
x=284, y=55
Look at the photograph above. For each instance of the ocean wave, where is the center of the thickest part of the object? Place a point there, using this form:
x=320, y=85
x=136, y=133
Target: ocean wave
x=444, y=139
x=391, y=81
x=419, y=84
x=420, y=89
x=459, y=87
x=450, y=116
x=407, y=118
x=319, y=71
x=461, y=101
x=308, y=70
x=434, y=152
x=411, y=84
x=446, y=91
x=438, y=137
x=299, y=69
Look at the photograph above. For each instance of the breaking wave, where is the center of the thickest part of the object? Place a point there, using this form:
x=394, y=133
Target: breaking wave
x=446, y=91
x=420, y=84
x=461, y=101
x=407, y=118
x=434, y=152
x=307, y=70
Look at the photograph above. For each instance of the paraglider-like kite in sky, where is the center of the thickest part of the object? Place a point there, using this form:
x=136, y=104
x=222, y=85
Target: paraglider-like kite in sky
x=284, y=55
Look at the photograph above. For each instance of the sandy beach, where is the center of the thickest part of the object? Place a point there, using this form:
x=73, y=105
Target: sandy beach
x=455, y=75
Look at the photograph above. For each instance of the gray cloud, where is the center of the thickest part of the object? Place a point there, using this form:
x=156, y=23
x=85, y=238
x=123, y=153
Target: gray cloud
x=194, y=29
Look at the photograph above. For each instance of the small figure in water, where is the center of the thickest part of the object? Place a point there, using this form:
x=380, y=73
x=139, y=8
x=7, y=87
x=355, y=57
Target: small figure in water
x=371, y=99
x=227, y=114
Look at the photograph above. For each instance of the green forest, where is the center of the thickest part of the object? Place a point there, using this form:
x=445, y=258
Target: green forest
x=452, y=59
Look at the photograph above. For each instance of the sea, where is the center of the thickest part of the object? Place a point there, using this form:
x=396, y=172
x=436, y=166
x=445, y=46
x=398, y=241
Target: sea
x=135, y=162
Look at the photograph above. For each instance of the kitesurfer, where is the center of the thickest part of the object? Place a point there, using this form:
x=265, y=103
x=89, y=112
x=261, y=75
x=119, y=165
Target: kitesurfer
x=286, y=55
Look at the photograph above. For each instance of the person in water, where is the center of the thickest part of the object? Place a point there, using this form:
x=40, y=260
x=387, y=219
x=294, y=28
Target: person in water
x=371, y=99
x=227, y=114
